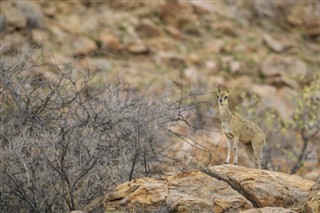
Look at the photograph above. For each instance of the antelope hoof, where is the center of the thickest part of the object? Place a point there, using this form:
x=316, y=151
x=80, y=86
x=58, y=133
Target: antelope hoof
x=235, y=163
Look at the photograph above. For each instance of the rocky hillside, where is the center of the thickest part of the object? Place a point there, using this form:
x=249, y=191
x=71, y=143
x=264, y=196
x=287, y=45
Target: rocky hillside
x=225, y=188
x=266, y=52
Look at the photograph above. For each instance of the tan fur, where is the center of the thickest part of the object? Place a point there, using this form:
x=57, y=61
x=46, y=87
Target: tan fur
x=240, y=130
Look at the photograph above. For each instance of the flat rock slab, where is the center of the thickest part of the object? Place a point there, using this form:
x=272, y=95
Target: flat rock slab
x=264, y=188
x=268, y=210
x=225, y=188
x=185, y=192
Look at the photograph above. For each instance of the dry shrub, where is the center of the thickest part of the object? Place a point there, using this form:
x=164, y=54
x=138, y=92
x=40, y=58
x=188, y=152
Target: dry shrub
x=64, y=143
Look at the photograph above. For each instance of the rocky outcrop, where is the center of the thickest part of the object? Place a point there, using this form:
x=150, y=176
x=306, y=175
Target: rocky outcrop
x=264, y=188
x=313, y=201
x=225, y=188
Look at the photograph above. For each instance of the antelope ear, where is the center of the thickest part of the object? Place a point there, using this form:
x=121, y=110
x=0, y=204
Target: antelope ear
x=219, y=89
x=228, y=90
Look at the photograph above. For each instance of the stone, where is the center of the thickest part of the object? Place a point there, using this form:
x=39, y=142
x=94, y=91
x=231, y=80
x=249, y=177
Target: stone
x=223, y=188
x=161, y=44
x=191, y=191
x=15, y=18
x=313, y=202
x=288, y=68
x=33, y=13
x=299, y=14
x=226, y=27
x=203, y=7
x=235, y=66
x=170, y=59
x=271, y=98
x=110, y=43
x=211, y=66
x=264, y=188
x=138, y=48
x=274, y=44
x=268, y=210
x=147, y=29
x=177, y=13
x=39, y=36
x=83, y=46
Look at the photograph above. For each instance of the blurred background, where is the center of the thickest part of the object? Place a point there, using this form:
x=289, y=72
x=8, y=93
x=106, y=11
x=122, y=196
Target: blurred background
x=266, y=52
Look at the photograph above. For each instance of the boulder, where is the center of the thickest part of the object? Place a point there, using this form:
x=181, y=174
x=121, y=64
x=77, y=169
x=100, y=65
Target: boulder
x=178, y=13
x=268, y=210
x=224, y=188
x=264, y=188
x=300, y=14
x=110, y=43
x=138, y=48
x=147, y=29
x=313, y=202
x=283, y=65
x=185, y=192
x=83, y=46
x=15, y=18
x=274, y=44
x=284, y=70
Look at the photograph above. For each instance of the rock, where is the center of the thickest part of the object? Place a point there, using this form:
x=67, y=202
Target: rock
x=170, y=59
x=173, y=31
x=268, y=210
x=160, y=44
x=185, y=192
x=110, y=42
x=226, y=27
x=264, y=188
x=313, y=203
x=39, y=36
x=15, y=18
x=304, y=14
x=147, y=29
x=138, y=48
x=235, y=66
x=313, y=175
x=211, y=66
x=33, y=13
x=287, y=68
x=301, y=14
x=224, y=188
x=274, y=44
x=202, y=7
x=177, y=13
x=271, y=98
x=83, y=46
x=49, y=9
x=213, y=47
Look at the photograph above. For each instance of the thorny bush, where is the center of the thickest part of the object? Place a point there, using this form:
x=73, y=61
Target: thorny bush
x=64, y=143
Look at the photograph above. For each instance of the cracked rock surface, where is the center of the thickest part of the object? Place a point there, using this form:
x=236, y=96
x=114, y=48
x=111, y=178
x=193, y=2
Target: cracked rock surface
x=225, y=188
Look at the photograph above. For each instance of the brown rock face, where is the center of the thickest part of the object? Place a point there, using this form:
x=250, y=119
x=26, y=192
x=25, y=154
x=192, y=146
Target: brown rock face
x=227, y=188
x=268, y=210
x=83, y=46
x=313, y=203
x=265, y=188
x=185, y=192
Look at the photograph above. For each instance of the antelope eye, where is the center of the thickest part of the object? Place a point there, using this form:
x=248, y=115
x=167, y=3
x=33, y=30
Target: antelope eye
x=225, y=97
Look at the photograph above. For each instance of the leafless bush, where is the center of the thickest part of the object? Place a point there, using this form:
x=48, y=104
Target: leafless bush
x=64, y=143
